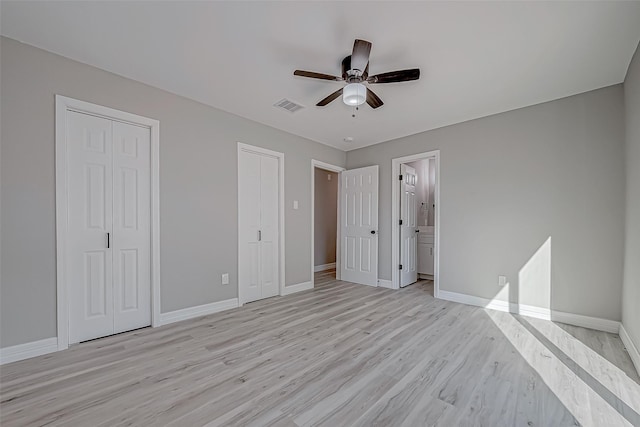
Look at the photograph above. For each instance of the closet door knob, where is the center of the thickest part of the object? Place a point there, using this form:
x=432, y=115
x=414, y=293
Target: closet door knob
x=373, y=231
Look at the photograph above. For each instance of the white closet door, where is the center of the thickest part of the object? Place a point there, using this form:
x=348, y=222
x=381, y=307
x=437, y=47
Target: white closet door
x=359, y=225
x=409, y=227
x=259, y=233
x=89, y=265
x=269, y=209
x=131, y=242
x=249, y=225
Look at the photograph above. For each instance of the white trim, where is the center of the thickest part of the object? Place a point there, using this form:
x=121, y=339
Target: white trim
x=292, y=289
x=197, y=311
x=64, y=104
x=473, y=300
x=634, y=354
x=498, y=305
x=385, y=284
x=395, y=214
x=595, y=323
x=588, y=322
x=333, y=168
x=324, y=267
x=28, y=350
x=280, y=157
x=532, y=311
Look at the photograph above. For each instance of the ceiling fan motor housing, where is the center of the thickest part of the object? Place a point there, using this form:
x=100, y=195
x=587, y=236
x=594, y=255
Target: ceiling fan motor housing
x=349, y=75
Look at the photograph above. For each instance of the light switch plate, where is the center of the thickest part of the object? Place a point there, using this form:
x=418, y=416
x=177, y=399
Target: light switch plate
x=225, y=279
x=295, y=204
x=502, y=280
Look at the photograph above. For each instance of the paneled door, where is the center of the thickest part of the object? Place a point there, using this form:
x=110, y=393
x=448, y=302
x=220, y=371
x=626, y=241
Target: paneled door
x=109, y=238
x=131, y=245
x=408, y=226
x=359, y=225
x=258, y=225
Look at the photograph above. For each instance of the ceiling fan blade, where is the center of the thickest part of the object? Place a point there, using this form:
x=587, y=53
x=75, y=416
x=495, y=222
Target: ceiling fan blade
x=360, y=55
x=373, y=100
x=314, y=75
x=396, y=76
x=330, y=98
x=365, y=74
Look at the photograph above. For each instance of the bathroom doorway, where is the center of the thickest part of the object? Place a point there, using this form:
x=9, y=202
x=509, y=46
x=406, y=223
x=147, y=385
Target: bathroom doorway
x=415, y=220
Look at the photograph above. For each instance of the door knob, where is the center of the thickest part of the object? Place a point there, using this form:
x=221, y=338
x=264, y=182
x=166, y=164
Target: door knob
x=373, y=231
x=417, y=231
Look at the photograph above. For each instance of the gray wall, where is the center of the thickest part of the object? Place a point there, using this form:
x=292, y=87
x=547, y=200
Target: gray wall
x=631, y=288
x=325, y=217
x=511, y=181
x=198, y=191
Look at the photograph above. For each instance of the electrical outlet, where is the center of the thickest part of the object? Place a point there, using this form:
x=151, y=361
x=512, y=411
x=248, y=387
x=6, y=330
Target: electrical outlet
x=328, y=177
x=225, y=279
x=295, y=204
x=502, y=280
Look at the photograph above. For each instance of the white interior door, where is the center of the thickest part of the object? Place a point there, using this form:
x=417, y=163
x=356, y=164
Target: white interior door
x=269, y=236
x=90, y=260
x=408, y=226
x=359, y=225
x=259, y=230
x=131, y=242
x=109, y=233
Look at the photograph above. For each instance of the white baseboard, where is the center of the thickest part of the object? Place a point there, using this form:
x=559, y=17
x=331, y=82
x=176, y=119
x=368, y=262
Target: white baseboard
x=533, y=311
x=324, y=267
x=588, y=322
x=385, y=284
x=28, y=350
x=634, y=354
x=596, y=323
x=498, y=305
x=292, y=289
x=197, y=311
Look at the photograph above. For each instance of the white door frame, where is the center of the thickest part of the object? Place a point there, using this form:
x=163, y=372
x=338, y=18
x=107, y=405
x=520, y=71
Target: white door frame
x=395, y=217
x=333, y=168
x=280, y=157
x=64, y=105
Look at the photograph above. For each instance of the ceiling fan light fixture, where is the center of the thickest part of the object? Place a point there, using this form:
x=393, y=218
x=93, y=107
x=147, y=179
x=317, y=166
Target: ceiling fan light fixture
x=354, y=94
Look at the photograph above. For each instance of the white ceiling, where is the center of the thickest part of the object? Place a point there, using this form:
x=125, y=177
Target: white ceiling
x=477, y=58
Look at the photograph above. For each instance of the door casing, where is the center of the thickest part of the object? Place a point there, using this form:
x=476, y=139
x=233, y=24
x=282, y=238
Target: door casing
x=63, y=105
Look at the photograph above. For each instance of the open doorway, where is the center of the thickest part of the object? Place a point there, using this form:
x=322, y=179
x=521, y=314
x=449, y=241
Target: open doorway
x=415, y=221
x=325, y=248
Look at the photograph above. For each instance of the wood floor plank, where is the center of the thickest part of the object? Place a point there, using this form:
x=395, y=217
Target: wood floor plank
x=337, y=355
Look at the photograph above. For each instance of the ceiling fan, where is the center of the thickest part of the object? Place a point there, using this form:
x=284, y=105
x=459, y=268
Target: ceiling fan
x=355, y=71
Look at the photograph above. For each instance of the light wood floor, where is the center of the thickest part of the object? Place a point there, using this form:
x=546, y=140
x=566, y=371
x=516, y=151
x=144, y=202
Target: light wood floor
x=338, y=355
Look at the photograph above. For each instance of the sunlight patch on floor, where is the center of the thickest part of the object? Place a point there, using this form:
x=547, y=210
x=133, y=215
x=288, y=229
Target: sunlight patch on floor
x=584, y=403
x=605, y=372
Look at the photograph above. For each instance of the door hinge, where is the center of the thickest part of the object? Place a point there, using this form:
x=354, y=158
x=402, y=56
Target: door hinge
x=400, y=267
x=400, y=177
x=400, y=222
